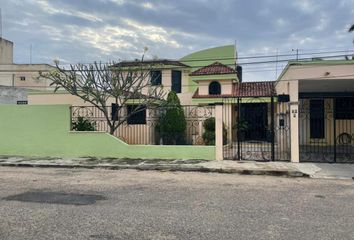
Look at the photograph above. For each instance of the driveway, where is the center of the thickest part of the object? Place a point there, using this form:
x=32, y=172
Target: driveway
x=327, y=170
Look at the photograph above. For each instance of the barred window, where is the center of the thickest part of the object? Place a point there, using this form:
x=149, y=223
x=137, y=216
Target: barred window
x=345, y=108
x=156, y=78
x=176, y=81
x=139, y=117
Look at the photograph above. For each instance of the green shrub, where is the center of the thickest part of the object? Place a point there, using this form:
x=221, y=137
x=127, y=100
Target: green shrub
x=209, y=132
x=172, y=124
x=83, y=124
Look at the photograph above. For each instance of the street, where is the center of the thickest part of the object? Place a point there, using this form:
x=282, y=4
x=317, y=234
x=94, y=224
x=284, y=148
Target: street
x=49, y=203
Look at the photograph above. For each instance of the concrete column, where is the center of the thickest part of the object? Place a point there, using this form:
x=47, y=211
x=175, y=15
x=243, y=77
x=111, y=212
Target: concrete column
x=294, y=121
x=218, y=131
x=228, y=120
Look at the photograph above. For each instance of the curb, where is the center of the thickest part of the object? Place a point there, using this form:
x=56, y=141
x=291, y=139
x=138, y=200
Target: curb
x=170, y=167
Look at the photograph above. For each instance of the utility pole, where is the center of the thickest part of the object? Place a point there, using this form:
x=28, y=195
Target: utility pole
x=235, y=53
x=297, y=53
x=30, y=54
x=276, y=65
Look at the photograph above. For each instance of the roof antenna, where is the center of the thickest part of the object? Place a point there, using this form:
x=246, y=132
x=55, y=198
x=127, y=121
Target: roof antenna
x=30, y=54
x=235, y=53
x=276, y=65
x=0, y=24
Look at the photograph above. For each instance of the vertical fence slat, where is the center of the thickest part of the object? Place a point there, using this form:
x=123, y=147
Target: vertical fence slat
x=146, y=133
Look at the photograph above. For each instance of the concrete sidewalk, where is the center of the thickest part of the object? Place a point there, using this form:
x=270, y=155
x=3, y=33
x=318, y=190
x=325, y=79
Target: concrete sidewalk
x=314, y=170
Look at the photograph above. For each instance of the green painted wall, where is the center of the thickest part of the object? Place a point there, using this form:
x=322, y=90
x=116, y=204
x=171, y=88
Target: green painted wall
x=223, y=54
x=43, y=130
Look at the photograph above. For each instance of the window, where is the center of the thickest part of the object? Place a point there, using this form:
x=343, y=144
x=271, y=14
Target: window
x=317, y=121
x=115, y=112
x=345, y=108
x=22, y=78
x=214, y=88
x=139, y=117
x=156, y=78
x=176, y=81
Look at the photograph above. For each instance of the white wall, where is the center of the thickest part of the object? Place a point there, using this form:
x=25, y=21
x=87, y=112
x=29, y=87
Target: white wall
x=6, y=51
x=10, y=95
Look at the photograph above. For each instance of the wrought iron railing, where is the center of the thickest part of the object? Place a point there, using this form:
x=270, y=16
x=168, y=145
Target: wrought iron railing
x=149, y=133
x=256, y=130
x=325, y=137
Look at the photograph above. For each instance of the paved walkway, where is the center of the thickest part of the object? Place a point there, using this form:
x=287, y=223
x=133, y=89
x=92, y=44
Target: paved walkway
x=314, y=170
x=328, y=171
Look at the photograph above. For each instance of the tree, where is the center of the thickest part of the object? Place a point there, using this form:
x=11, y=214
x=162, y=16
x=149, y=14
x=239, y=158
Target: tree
x=209, y=132
x=172, y=123
x=104, y=84
x=351, y=29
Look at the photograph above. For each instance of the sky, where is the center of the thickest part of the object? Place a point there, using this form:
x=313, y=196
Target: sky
x=83, y=31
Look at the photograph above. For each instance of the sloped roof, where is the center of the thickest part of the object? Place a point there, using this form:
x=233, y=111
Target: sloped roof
x=216, y=68
x=254, y=89
x=150, y=62
x=245, y=89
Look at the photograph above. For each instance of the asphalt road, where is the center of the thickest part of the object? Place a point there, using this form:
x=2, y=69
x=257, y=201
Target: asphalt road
x=108, y=205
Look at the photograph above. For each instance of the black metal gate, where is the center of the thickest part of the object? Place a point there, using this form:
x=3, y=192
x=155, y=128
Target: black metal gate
x=326, y=130
x=256, y=129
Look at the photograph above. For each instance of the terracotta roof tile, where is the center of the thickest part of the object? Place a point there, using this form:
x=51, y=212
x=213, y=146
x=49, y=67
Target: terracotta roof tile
x=214, y=69
x=254, y=89
x=245, y=89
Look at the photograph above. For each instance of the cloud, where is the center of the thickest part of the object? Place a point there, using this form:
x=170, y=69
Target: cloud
x=50, y=9
x=147, y=5
x=308, y=6
x=280, y=22
x=94, y=30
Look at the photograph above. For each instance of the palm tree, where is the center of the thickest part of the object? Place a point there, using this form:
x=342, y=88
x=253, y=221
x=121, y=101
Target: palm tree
x=351, y=29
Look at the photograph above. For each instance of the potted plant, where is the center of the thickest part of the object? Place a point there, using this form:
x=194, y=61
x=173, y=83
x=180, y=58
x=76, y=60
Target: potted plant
x=209, y=132
x=83, y=124
x=241, y=127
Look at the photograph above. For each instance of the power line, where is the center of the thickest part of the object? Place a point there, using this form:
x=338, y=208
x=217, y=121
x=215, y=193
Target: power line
x=348, y=52
x=190, y=85
x=298, y=67
x=267, y=62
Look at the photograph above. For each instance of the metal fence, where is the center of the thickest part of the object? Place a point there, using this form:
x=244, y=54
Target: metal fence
x=256, y=130
x=147, y=130
x=326, y=133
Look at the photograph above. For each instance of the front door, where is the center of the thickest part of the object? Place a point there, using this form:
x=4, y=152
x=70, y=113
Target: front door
x=255, y=116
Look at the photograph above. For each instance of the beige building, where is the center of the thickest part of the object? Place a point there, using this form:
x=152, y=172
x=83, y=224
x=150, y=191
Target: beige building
x=20, y=75
x=6, y=51
x=321, y=109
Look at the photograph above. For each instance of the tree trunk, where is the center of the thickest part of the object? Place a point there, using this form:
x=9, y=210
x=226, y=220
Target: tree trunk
x=111, y=130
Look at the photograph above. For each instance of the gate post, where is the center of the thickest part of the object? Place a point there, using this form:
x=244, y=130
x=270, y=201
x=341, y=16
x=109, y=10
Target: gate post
x=219, y=131
x=334, y=130
x=238, y=130
x=294, y=122
x=272, y=128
